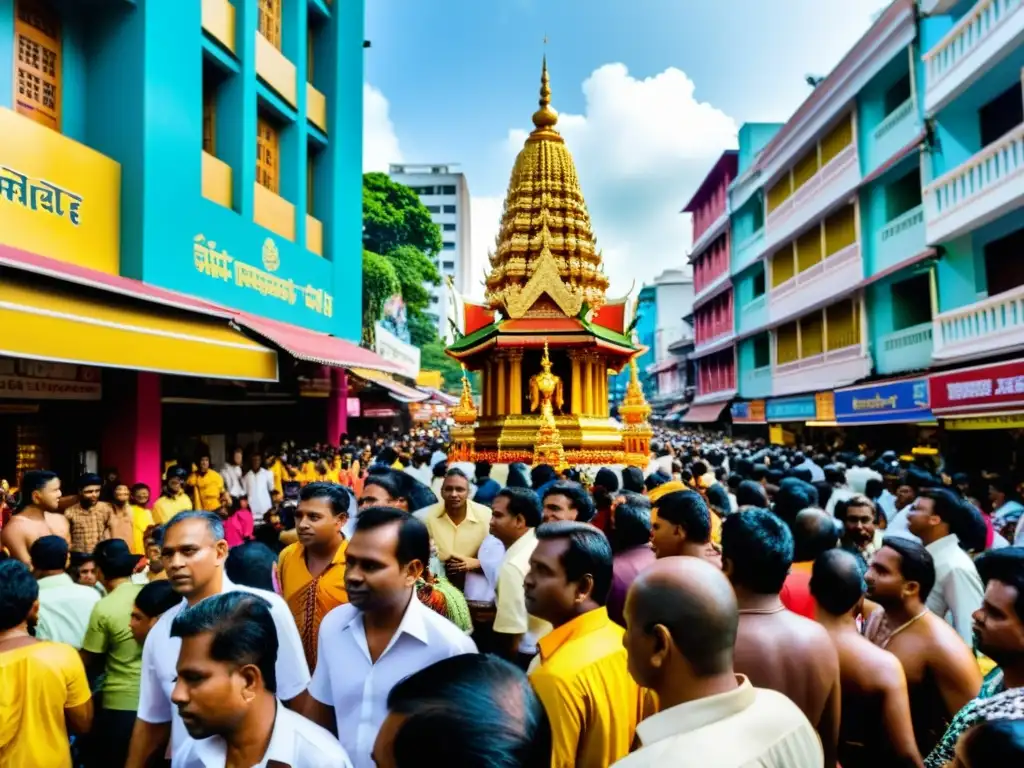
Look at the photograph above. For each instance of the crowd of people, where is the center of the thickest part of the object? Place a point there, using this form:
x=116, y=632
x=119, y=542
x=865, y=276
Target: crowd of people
x=731, y=604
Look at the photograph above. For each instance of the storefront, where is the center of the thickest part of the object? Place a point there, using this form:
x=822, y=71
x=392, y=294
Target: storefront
x=887, y=415
x=786, y=418
x=749, y=418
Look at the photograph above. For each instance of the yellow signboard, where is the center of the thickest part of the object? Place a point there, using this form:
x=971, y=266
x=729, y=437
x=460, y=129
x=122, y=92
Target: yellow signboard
x=1004, y=421
x=58, y=198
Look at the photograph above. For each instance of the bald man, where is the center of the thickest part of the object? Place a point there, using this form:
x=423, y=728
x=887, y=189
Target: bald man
x=681, y=621
x=876, y=728
x=776, y=648
x=814, y=533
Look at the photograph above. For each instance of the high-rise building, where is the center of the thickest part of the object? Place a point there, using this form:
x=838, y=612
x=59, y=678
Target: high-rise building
x=445, y=193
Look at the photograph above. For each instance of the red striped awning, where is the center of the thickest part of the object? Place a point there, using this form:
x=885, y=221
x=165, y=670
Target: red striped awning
x=706, y=413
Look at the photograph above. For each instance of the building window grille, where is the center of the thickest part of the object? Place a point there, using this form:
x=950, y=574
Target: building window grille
x=37, y=63
x=267, y=155
x=270, y=21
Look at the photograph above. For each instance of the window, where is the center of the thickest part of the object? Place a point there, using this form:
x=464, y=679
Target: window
x=759, y=287
x=898, y=93
x=209, y=122
x=762, y=351
x=999, y=116
x=267, y=156
x=778, y=194
x=805, y=168
x=782, y=266
x=270, y=21
x=37, y=66
x=435, y=299
x=448, y=227
x=309, y=53
x=449, y=209
x=843, y=324
x=840, y=230
x=787, y=344
x=911, y=302
x=903, y=194
x=838, y=139
x=433, y=208
x=447, y=190
x=808, y=249
x=1004, y=269
x=449, y=266
x=448, y=246
x=812, y=341
x=423, y=190
x=311, y=158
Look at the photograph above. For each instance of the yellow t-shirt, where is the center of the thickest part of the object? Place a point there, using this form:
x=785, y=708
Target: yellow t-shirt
x=37, y=683
x=165, y=508
x=277, y=469
x=206, y=490
x=141, y=520
x=463, y=539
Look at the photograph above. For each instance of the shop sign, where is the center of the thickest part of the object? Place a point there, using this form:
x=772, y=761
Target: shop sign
x=824, y=407
x=750, y=412
x=985, y=388
x=392, y=348
x=58, y=198
x=893, y=401
x=1004, y=421
x=38, y=380
x=214, y=261
x=380, y=413
x=803, y=408
x=352, y=407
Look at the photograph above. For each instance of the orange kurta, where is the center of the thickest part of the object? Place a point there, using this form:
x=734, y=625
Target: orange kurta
x=311, y=598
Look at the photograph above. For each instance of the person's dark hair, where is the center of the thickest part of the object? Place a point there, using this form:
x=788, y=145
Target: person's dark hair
x=655, y=479
x=178, y=472
x=49, y=553
x=588, y=552
x=803, y=474
x=633, y=479
x=338, y=496
x=472, y=710
x=947, y=505
x=252, y=565
x=916, y=563
x=212, y=520
x=541, y=475
x=689, y=511
x=605, y=485
x=814, y=533
x=718, y=499
x=389, y=481
x=1002, y=485
x=759, y=548
x=413, y=537
x=733, y=481
x=242, y=627
x=858, y=500
x=522, y=501
x=837, y=581
x=20, y=592
x=751, y=494
x=113, y=557
x=632, y=526
x=439, y=469
x=32, y=481
x=156, y=598
x=993, y=743
x=579, y=498
x=873, y=488
x=1007, y=566
x=88, y=479
x=794, y=495
x=387, y=456
x=139, y=487
x=517, y=476
x=483, y=468
x=154, y=533
x=759, y=472
x=824, y=490
x=632, y=497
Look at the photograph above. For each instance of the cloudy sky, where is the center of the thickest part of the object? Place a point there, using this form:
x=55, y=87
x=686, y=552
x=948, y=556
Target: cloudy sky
x=650, y=92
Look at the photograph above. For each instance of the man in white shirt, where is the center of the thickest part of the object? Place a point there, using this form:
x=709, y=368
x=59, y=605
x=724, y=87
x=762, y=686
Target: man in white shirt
x=958, y=591
x=514, y=518
x=225, y=692
x=232, y=474
x=708, y=714
x=193, y=554
x=382, y=636
x=258, y=483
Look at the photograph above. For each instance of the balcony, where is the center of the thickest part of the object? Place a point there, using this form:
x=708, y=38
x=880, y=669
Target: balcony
x=219, y=22
x=756, y=383
x=836, y=181
x=710, y=287
x=714, y=229
x=986, y=327
x=985, y=34
x=891, y=135
x=835, y=368
x=981, y=190
x=836, y=275
x=936, y=7
x=314, y=235
x=748, y=251
x=274, y=212
x=754, y=314
x=275, y=70
x=217, y=185
x=899, y=240
x=316, y=107
x=906, y=350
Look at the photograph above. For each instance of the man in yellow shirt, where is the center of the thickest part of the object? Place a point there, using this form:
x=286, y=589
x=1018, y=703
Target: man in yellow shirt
x=593, y=703
x=458, y=526
x=207, y=486
x=142, y=518
x=174, y=499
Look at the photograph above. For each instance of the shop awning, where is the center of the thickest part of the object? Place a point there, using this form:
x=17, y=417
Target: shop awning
x=705, y=413
x=315, y=347
x=437, y=396
x=397, y=390
x=45, y=321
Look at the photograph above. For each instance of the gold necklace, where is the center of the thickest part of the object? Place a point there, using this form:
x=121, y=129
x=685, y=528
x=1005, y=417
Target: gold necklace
x=900, y=628
x=763, y=611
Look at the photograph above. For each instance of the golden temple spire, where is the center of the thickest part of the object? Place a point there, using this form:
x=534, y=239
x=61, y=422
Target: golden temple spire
x=545, y=118
x=465, y=412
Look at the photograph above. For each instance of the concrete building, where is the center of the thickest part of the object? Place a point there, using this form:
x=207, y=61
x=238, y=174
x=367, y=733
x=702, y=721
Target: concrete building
x=445, y=193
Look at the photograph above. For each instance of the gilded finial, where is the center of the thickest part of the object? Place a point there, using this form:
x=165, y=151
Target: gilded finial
x=545, y=117
x=545, y=362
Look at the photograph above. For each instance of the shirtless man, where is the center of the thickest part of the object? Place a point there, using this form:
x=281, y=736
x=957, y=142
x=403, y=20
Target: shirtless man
x=942, y=674
x=775, y=648
x=39, y=517
x=876, y=727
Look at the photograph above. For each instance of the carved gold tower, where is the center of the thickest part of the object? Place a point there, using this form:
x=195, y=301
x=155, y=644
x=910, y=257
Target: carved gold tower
x=555, y=330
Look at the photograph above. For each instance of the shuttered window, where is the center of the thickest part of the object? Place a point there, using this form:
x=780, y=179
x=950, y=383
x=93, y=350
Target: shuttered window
x=37, y=62
x=270, y=21
x=838, y=139
x=310, y=160
x=778, y=194
x=843, y=324
x=782, y=266
x=840, y=230
x=787, y=345
x=805, y=168
x=808, y=249
x=812, y=340
x=267, y=155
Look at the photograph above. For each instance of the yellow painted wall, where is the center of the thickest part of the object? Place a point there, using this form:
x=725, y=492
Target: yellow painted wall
x=274, y=212
x=840, y=230
x=219, y=22
x=316, y=107
x=787, y=348
x=276, y=70
x=216, y=180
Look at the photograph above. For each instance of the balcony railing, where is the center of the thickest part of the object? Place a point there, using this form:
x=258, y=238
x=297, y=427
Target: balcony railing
x=899, y=239
x=980, y=328
x=907, y=350
x=966, y=37
x=811, y=189
x=754, y=313
x=995, y=174
x=836, y=261
x=891, y=135
x=835, y=368
x=744, y=254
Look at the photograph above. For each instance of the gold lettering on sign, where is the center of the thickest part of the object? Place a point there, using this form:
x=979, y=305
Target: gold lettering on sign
x=39, y=195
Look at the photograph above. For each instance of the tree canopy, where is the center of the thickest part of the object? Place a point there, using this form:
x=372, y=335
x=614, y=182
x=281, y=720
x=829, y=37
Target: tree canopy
x=433, y=358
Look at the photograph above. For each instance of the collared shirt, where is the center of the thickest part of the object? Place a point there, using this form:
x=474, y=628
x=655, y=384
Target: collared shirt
x=481, y=585
x=309, y=598
x=88, y=526
x=141, y=520
x=463, y=539
x=294, y=742
x=206, y=490
x=232, y=474
x=511, y=617
x=593, y=703
x=167, y=507
x=64, y=609
x=110, y=634
x=626, y=566
x=160, y=662
x=958, y=590
x=347, y=679
x=745, y=728
x=258, y=486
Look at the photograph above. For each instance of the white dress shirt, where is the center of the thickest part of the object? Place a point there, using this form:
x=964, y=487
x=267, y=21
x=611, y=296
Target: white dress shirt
x=294, y=741
x=232, y=474
x=160, y=662
x=899, y=524
x=745, y=728
x=958, y=590
x=480, y=585
x=258, y=486
x=348, y=680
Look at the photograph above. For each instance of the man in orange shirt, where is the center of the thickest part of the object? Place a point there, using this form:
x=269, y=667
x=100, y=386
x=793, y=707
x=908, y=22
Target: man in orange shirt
x=312, y=569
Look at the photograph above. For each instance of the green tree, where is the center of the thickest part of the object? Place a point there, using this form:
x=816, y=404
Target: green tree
x=379, y=284
x=433, y=358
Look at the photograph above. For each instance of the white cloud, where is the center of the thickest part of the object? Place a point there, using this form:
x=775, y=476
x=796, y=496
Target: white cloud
x=380, y=142
x=641, y=149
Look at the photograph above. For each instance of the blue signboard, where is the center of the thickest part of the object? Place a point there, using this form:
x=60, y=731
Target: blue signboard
x=740, y=411
x=893, y=402
x=801, y=408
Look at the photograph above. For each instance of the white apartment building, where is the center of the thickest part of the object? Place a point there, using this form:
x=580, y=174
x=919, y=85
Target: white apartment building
x=445, y=193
